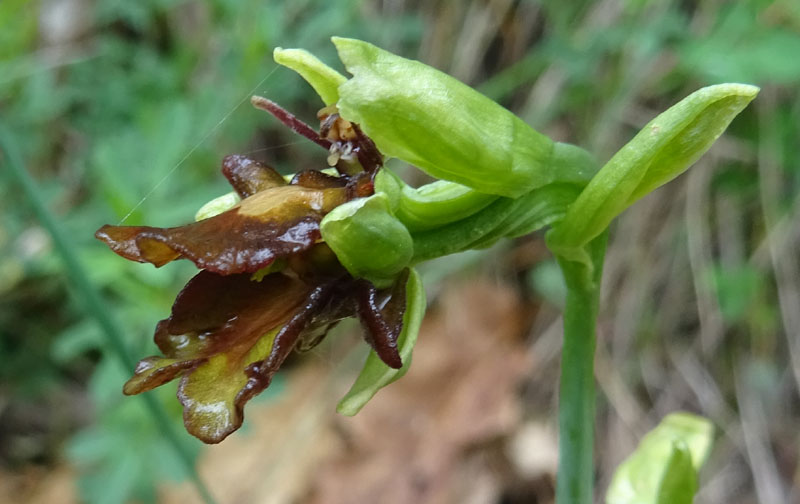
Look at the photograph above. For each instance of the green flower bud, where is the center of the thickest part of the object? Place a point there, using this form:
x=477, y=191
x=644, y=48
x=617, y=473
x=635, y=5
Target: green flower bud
x=666, y=463
x=661, y=151
x=368, y=240
x=324, y=79
x=420, y=115
x=375, y=374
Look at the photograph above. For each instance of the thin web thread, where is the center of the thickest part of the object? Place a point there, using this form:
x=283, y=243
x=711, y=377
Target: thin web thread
x=273, y=147
x=197, y=146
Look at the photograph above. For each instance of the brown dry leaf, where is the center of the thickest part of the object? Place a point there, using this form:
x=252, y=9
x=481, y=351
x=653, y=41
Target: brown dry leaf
x=408, y=445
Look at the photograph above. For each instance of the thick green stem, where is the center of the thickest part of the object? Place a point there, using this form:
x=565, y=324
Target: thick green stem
x=576, y=411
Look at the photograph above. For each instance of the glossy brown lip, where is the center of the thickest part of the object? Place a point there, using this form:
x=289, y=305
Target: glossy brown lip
x=235, y=323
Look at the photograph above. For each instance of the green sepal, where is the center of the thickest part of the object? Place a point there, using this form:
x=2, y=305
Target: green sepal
x=661, y=151
x=324, y=79
x=217, y=206
x=664, y=467
x=368, y=240
x=375, y=374
x=427, y=118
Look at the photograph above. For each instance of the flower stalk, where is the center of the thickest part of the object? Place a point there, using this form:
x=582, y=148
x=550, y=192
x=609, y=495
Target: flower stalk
x=576, y=410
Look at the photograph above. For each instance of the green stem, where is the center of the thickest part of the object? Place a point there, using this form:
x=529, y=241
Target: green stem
x=92, y=301
x=576, y=410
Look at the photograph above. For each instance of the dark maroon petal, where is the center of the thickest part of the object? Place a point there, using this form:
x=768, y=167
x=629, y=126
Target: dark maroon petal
x=360, y=185
x=271, y=224
x=304, y=320
x=219, y=326
x=214, y=313
x=123, y=241
x=248, y=176
x=381, y=313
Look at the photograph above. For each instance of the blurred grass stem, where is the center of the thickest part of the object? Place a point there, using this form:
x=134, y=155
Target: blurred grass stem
x=576, y=407
x=91, y=300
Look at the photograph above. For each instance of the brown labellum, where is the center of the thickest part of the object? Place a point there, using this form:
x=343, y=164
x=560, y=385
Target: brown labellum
x=269, y=285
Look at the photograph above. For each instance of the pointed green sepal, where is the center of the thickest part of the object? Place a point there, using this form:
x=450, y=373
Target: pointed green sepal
x=324, y=79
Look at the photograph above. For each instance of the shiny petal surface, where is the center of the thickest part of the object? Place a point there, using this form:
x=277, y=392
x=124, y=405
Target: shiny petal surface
x=248, y=176
x=219, y=326
x=272, y=223
x=381, y=313
x=315, y=179
x=213, y=406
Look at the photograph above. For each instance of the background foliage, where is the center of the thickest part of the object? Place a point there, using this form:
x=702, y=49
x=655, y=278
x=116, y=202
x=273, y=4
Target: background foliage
x=128, y=107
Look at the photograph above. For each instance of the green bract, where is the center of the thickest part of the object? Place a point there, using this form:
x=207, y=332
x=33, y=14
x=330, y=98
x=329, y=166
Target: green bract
x=664, y=467
x=368, y=240
x=661, y=151
x=375, y=374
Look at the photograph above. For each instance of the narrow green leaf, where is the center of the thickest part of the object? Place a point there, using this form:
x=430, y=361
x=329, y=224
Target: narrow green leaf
x=375, y=374
x=324, y=79
x=664, y=467
x=661, y=151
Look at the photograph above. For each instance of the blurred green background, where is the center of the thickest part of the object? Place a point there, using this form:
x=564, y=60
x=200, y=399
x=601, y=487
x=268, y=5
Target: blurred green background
x=122, y=107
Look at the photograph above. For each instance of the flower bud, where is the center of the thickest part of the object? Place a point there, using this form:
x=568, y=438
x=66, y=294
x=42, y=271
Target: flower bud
x=665, y=465
x=368, y=240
